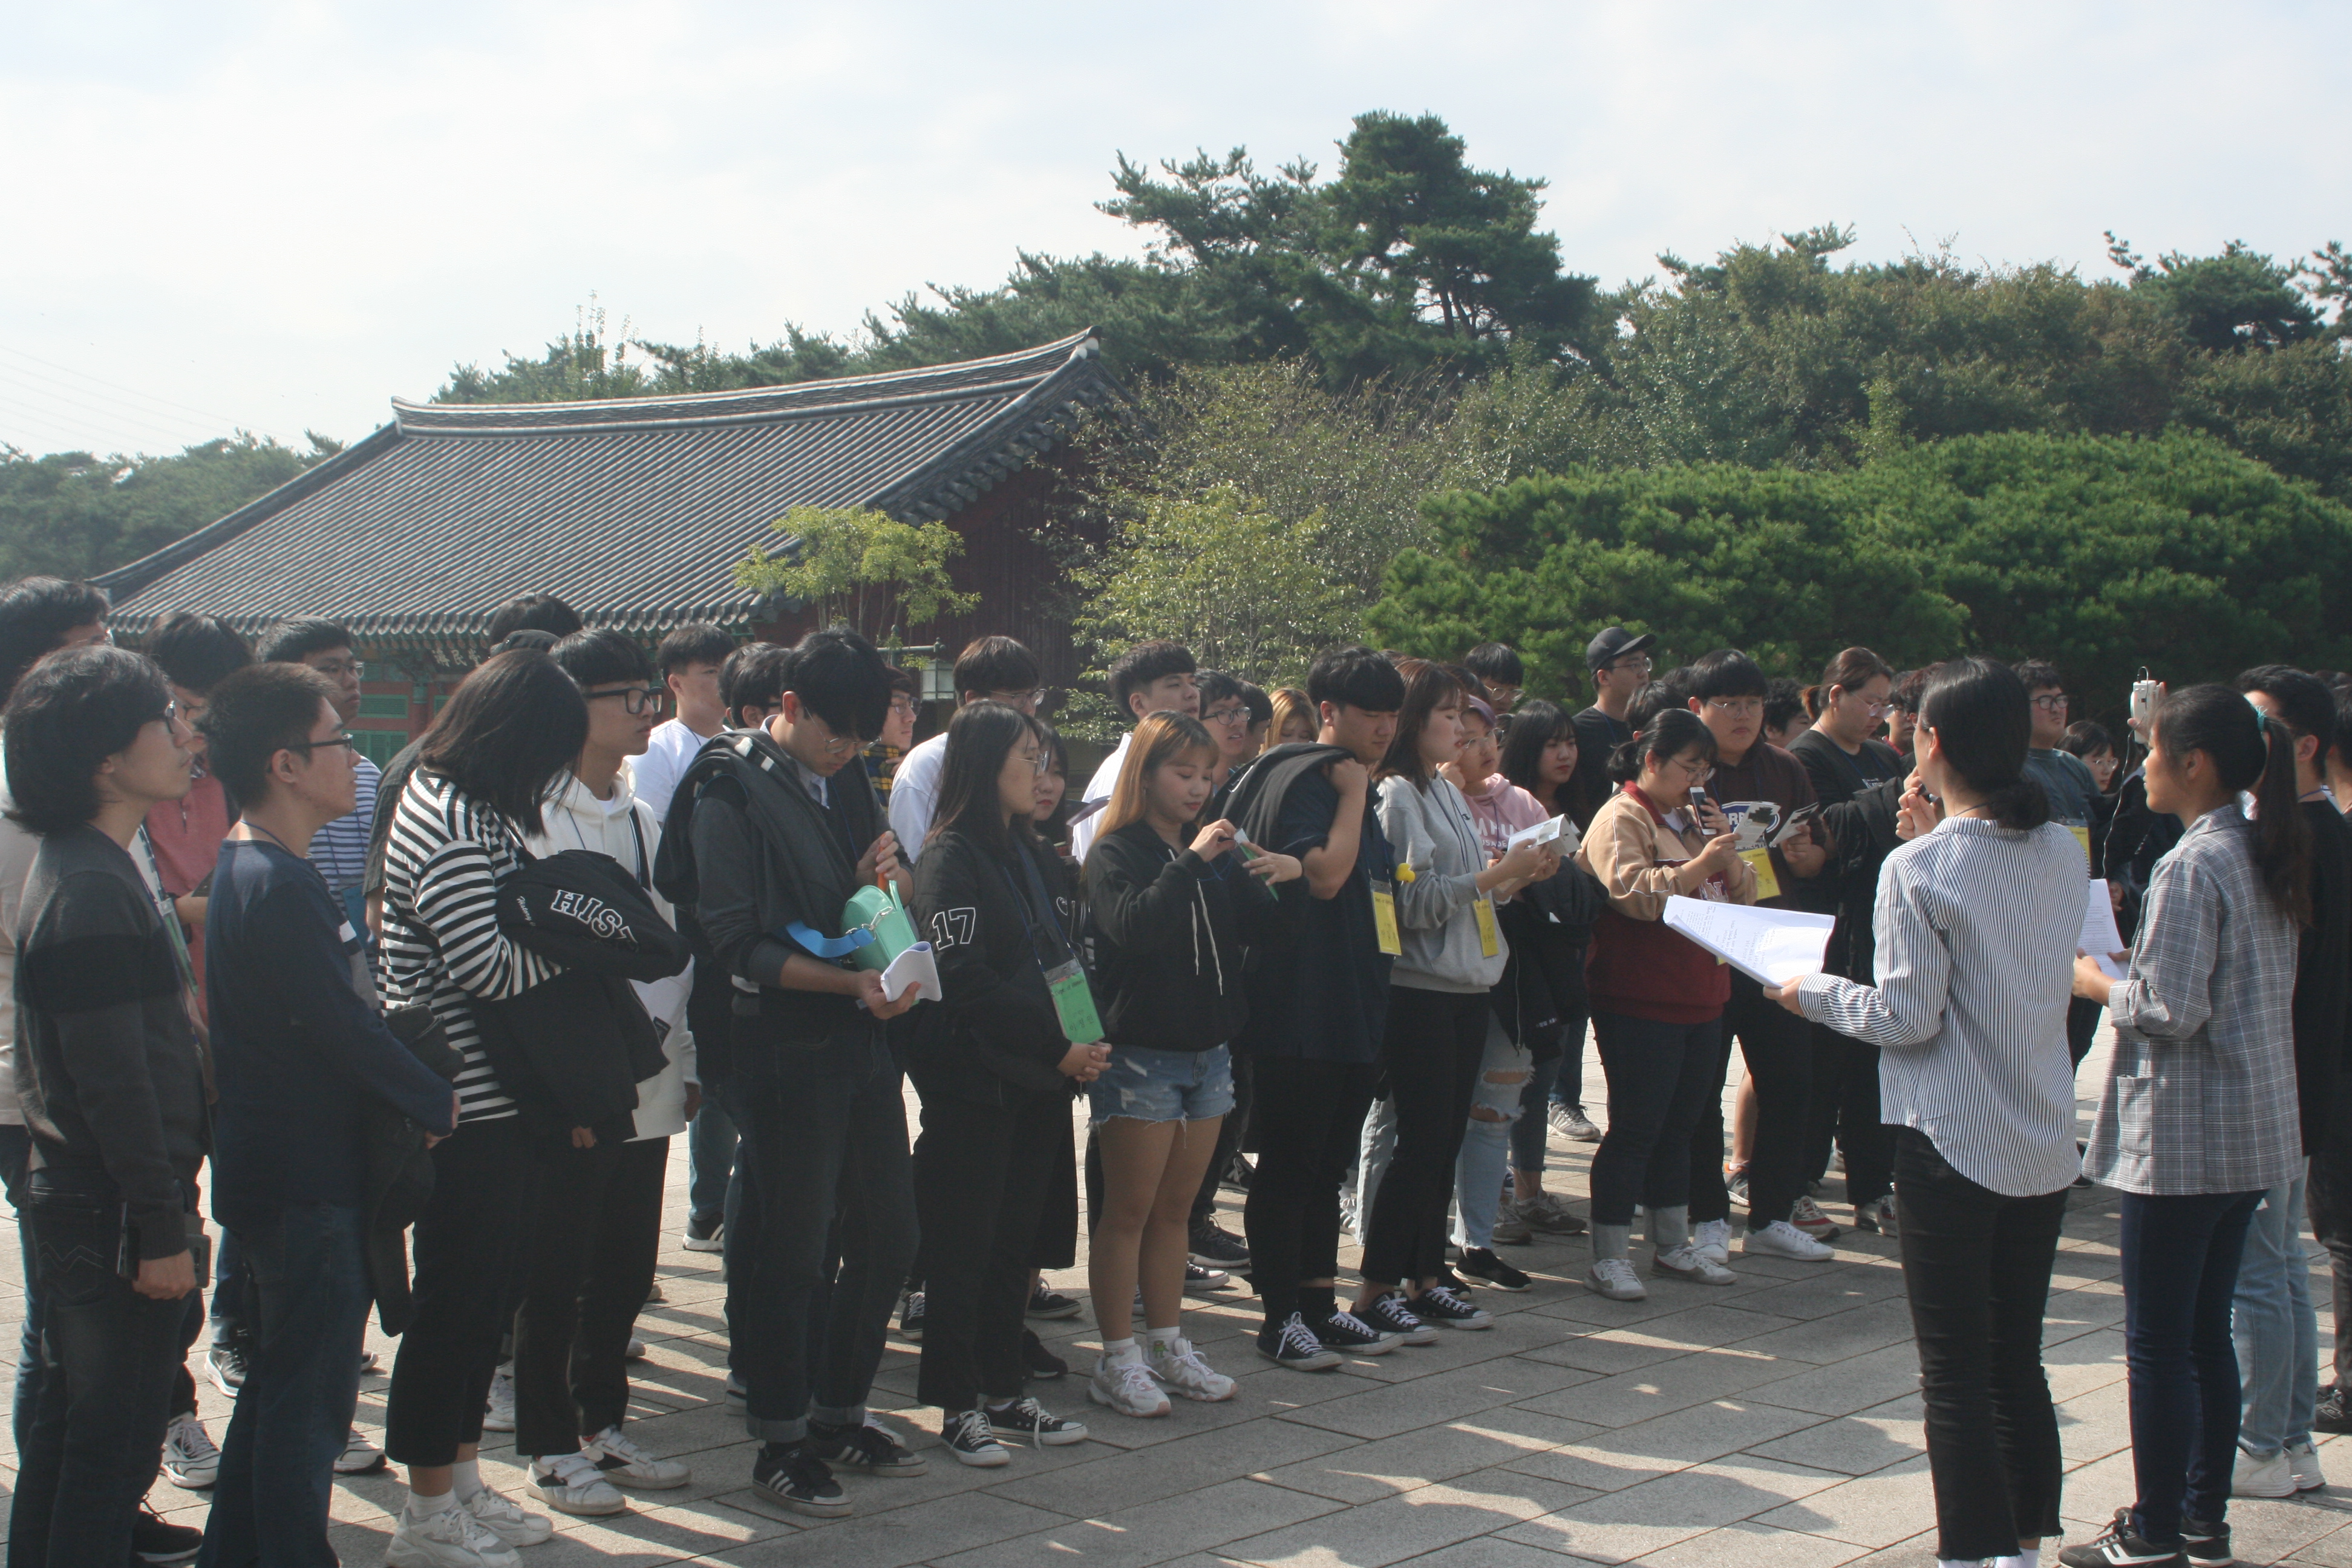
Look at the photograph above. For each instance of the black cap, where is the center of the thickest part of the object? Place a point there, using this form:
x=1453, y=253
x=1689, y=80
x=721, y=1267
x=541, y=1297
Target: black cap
x=1613, y=645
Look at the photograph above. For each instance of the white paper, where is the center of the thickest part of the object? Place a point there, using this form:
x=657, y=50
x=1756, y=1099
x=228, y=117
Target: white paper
x=1558, y=832
x=914, y=967
x=1771, y=947
x=2100, y=939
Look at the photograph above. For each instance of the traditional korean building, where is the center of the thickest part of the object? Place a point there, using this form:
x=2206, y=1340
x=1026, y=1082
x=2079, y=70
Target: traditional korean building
x=635, y=512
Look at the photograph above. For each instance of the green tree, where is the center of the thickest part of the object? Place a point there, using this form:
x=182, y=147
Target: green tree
x=861, y=568
x=75, y=514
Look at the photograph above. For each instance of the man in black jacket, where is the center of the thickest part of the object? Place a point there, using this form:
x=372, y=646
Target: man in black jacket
x=768, y=836
x=114, y=1096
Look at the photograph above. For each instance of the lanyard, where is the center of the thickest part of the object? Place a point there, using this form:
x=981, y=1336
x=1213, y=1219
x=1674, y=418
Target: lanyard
x=1044, y=906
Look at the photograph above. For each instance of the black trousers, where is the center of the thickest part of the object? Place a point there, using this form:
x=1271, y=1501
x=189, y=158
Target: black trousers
x=1230, y=1135
x=1309, y=1117
x=467, y=1249
x=2329, y=1200
x=594, y=1237
x=1845, y=1114
x=1976, y=1264
x=1661, y=1076
x=1779, y=1050
x=983, y=1177
x=1430, y=1057
x=2082, y=1028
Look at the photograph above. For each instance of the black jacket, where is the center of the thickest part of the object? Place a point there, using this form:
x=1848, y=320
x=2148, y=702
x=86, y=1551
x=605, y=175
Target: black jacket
x=1549, y=928
x=996, y=1038
x=1167, y=934
x=584, y=909
x=400, y=1169
x=1861, y=832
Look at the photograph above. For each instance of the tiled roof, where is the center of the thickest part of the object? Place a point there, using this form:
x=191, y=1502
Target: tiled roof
x=634, y=511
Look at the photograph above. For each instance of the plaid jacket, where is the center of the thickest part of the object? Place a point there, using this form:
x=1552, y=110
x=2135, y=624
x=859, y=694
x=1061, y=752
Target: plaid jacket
x=2201, y=1095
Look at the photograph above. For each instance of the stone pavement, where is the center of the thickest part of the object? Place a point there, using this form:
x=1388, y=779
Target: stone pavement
x=1776, y=1421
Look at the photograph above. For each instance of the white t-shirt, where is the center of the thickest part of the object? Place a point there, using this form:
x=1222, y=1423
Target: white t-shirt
x=915, y=795
x=667, y=755
x=1082, y=834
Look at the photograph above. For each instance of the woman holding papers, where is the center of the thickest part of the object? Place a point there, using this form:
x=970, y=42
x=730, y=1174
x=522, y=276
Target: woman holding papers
x=1975, y=918
x=1657, y=998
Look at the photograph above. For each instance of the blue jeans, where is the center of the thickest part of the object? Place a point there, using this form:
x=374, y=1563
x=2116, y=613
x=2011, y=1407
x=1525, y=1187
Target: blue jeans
x=1497, y=1107
x=710, y=1141
x=824, y=1139
x=307, y=1311
x=2276, y=1332
x=108, y=1358
x=2180, y=1270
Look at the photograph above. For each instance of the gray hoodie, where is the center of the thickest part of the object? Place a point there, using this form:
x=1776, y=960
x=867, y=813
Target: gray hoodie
x=1431, y=829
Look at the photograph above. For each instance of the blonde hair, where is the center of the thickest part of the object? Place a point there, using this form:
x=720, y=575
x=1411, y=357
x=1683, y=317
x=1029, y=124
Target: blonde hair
x=1290, y=703
x=1162, y=738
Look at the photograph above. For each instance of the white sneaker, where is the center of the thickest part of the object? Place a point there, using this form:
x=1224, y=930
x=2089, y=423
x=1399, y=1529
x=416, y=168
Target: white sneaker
x=570, y=1483
x=1127, y=1387
x=1782, y=1239
x=2263, y=1475
x=624, y=1464
x=1614, y=1279
x=446, y=1538
x=2304, y=1459
x=191, y=1460
x=1711, y=1238
x=635, y=1350
x=506, y=1520
x=1687, y=1262
x=1179, y=1368
x=497, y=1411
x=359, y=1457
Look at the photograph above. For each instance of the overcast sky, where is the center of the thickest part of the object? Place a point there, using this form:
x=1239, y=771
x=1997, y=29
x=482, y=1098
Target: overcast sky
x=276, y=217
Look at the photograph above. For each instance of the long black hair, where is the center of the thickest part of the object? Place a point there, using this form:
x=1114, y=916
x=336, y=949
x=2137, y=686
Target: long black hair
x=2251, y=750
x=1427, y=687
x=980, y=737
x=1979, y=710
x=1670, y=733
x=1534, y=725
x=508, y=733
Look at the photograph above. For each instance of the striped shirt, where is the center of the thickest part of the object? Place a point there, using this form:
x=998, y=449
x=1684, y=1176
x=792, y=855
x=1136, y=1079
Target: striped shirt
x=340, y=849
x=444, y=861
x=1976, y=927
x=2200, y=1096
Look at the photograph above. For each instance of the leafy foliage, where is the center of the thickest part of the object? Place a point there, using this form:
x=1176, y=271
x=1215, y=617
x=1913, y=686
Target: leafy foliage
x=863, y=568
x=75, y=514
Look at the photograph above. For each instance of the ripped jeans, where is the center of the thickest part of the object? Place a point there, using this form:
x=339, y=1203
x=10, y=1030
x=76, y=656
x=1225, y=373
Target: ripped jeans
x=1495, y=1103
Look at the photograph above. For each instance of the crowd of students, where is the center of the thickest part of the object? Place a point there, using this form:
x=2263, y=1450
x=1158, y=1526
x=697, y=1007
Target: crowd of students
x=425, y=1035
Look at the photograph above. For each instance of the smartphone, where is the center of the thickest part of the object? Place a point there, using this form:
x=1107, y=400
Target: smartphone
x=1697, y=805
x=2143, y=700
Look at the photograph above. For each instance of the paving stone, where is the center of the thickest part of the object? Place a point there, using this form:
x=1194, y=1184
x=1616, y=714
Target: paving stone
x=1153, y=1533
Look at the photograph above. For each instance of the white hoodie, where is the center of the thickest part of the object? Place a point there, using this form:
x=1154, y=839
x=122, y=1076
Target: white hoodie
x=578, y=820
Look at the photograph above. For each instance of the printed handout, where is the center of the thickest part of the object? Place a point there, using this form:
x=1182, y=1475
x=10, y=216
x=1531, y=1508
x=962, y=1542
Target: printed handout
x=1769, y=946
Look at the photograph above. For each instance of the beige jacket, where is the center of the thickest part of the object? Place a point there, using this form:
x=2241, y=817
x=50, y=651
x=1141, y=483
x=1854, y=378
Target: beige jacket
x=1634, y=856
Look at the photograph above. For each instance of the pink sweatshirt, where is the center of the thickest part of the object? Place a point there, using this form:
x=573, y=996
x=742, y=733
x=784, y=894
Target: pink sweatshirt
x=1501, y=808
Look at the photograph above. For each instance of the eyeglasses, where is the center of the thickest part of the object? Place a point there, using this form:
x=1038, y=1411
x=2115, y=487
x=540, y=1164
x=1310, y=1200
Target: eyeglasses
x=1632, y=661
x=903, y=706
x=336, y=668
x=2053, y=701
x=1738, y=707
x=1028, y=701
x=1039, y=762
x=1697, y=772
x=168, y=717
x=637, y=698
x=1237, y=714
x=344, y=739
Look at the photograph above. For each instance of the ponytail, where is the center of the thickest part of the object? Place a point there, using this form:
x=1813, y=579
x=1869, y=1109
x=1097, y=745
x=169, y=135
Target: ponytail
x=2251, y=750
x=1670, y=733
x=1981, y=720
x=1815, y=698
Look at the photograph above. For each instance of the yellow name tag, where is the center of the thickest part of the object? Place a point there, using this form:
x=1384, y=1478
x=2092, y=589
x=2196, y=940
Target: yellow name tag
x=2083, y=836
x=1490, y=941
x=1767, y=886
x=1384, y=920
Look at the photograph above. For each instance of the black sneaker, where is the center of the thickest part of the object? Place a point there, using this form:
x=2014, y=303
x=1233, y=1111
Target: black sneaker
x=868, y=1450
x=1294, y=1346
x=1200, y=1279
x=2205, y=1543
x=158, y=1540
x=1218, y=1247
x=2120, y=1547
x=226, y=1365
x=2333, y=1413
x=1393, y=1314
x=910, y=1315
x=1480, y=1263
x=971, y=1436
x=1350, y=1335
x=792, y=1478
x=1026, y=1421
x=1441, y=1304
x=1045, y=1303
x=1239, y=1174
x=1036, y=1360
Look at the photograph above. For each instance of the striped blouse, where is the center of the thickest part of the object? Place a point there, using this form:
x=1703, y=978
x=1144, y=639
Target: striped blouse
x=1976, y=927
x=443, y=863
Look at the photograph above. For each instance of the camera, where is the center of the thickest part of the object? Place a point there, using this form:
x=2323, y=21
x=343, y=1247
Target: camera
x=2144, y=693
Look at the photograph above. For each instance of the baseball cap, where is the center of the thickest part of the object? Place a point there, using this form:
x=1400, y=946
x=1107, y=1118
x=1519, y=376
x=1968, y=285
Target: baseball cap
x=1614, y=644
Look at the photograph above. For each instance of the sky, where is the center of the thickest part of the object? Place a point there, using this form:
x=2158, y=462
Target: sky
x=276, y=218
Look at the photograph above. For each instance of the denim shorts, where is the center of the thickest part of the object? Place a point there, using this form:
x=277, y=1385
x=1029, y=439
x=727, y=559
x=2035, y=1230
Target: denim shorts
x=1162, y=1085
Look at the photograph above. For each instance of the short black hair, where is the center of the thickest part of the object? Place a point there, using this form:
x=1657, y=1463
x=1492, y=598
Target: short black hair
x=840, y=676
x=752, y=677
x=196, y=651
x=2306, y=705
x=1907, y=687
x=1496, y=664
x=35, y=613
x=530, y=637
x=602, y=657
x=533, y=613
x=508, y=731
x=696, y=642
x=1216, y=685
x=1261, y=705
x=1355, y=676
x=292, y=642
x=995, y=664
x=1784, y=700
x=1144, y=663
x=255, y=713
x=904, y=682
x=69, y=714
x=2088, y=737
x=1727, y=672
x=2040, y=674
x=1671, y=691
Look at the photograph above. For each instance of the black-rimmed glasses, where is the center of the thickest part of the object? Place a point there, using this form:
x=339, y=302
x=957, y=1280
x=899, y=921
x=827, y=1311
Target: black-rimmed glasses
x=638, y=699
x=345, y=739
